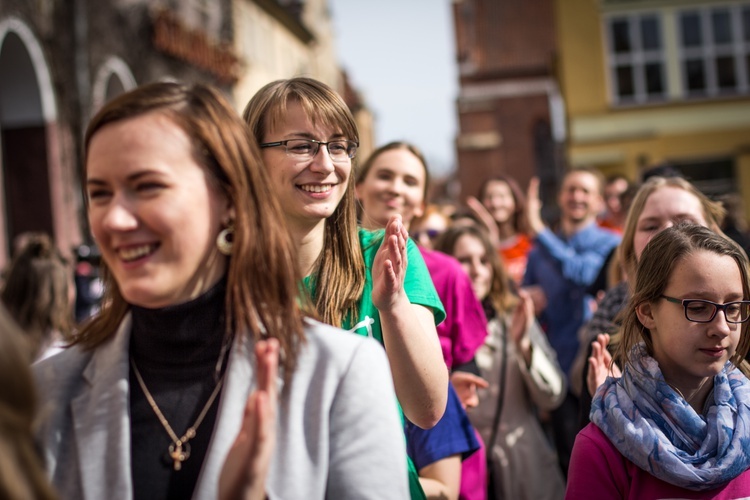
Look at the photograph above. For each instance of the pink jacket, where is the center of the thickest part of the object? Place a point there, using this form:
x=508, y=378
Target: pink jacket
x=598, y=470
x=465, y=325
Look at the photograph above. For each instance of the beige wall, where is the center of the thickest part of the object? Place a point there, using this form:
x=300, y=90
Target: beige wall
x=270, y=51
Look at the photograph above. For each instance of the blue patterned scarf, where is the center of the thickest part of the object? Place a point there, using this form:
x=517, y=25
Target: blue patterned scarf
x=655, y=428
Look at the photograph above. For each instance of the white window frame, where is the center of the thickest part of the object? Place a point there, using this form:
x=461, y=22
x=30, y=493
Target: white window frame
x=708, y=51
x=637, y=58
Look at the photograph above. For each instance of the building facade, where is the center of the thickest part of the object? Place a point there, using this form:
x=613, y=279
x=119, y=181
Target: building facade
x=655, y=82
x=61, y=61
x=509, y=107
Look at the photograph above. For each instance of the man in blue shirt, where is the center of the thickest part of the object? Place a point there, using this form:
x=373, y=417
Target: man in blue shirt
x=563, y=264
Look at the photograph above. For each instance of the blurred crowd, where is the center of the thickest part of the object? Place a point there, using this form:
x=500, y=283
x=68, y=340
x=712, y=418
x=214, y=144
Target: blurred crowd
x=257, y=301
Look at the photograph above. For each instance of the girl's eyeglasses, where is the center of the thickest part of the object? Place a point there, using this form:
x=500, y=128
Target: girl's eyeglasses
x=704, y=311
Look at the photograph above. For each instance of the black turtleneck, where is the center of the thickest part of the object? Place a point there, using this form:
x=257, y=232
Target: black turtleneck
x=176, y=350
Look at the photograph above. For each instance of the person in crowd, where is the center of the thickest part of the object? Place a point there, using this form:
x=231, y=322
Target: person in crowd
x=661, y=202
x=501, y=207
x=564, y=264
x=394, y=180
x=156, y=388
x=39, y=294
x=371, y=283
x=613, y=217
x=523, y=373
x=427, y=227
x=22, y=472
x=611, y=272
x=88, y=282
x=676, y=423
x=735, y=223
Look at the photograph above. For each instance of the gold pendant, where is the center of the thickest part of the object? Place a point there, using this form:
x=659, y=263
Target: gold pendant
x=179, y=453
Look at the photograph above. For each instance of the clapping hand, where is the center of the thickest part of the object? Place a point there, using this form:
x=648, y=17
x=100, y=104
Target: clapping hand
x=523, y=318
x=389, y=266
x=600, y=364
x=245, y=470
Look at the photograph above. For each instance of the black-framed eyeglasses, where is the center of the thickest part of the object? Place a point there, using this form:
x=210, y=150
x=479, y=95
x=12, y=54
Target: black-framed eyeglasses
x=306, y=149
x=704, y=311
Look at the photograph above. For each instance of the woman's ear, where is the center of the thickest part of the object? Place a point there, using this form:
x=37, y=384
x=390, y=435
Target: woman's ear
x=645, y=313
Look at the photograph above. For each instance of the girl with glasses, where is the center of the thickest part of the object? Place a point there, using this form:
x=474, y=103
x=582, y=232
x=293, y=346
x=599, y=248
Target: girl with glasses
x=677, y=422
x=660, y=202
x=372, y=283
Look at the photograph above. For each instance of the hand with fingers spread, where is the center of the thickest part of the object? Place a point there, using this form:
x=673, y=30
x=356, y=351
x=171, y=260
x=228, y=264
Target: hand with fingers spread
x=534, y=207
x=389, y=267
x=600, y=364
x=466, y=385
x=245, y=470
x=481, y=212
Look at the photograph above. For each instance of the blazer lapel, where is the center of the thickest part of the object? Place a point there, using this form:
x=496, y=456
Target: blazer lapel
x=101, y=419
x=239, y=378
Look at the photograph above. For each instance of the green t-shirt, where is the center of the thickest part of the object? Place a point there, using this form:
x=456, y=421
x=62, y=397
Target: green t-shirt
x=418, y=287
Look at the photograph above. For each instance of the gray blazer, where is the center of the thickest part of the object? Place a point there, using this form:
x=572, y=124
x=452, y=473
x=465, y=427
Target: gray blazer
x=339, y=434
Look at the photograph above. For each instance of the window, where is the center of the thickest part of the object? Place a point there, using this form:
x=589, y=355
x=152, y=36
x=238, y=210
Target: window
x=714, y=45
x=636, y=58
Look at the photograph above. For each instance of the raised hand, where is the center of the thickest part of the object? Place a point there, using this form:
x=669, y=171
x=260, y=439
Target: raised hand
x=389, y=266
x=245, y=470
x=478, y=209
x=600, y=364
x=534, y=207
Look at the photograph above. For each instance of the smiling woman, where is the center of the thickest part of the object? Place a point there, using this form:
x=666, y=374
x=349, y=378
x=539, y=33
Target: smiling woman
x=143, y=182
x=185, y=354
x=372, y=283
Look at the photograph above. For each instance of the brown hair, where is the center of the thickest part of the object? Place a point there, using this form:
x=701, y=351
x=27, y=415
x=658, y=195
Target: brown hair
x=339, y=277
x=501, y=292
x=36, y=291
x=520, y=224
x=712, y=212
x=22, y=473
x=655, y=268
x=262, y=249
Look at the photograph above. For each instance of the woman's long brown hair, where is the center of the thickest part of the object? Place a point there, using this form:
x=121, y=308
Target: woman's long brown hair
x=262, y=278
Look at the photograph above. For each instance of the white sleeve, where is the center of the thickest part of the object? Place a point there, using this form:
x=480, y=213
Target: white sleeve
x=367, y=443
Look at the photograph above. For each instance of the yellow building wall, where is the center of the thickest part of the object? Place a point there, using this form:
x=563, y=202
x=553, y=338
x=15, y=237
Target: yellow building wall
x=581, y=69
x=624, y=139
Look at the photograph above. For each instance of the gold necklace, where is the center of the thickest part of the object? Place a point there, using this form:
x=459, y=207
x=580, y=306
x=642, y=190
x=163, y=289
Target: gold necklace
x=179, y=449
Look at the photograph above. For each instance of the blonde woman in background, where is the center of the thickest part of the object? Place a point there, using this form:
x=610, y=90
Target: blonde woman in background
x=522, y=371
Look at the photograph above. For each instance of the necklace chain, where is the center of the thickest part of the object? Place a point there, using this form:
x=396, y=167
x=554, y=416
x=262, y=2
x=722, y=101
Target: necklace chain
x=179, y=449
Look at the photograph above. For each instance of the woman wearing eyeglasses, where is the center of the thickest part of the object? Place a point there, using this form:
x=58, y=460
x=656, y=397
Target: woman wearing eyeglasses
x=371, y=283
x=202, y=312
x=660, y=202
x=677, y=422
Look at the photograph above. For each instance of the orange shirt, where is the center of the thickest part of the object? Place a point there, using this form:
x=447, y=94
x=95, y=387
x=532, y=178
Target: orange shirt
x=515, y=255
